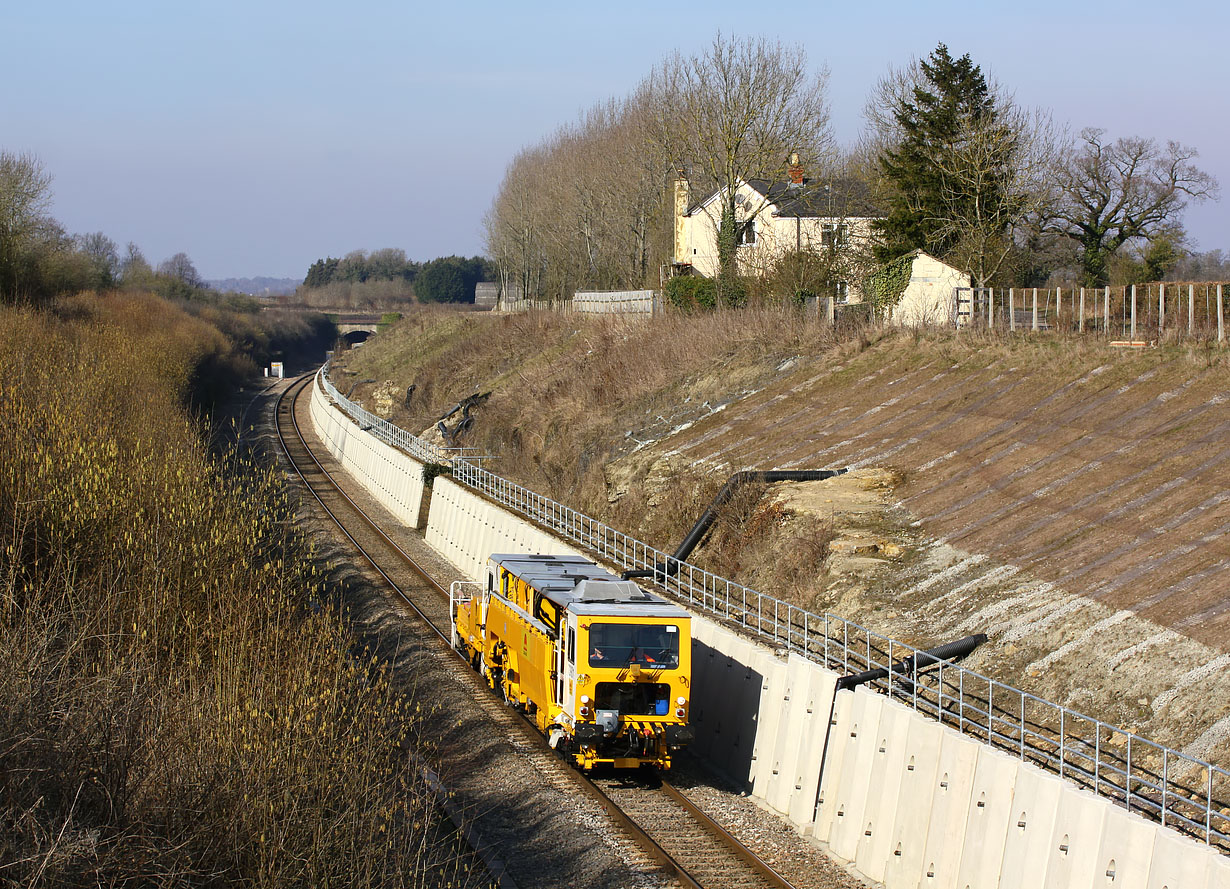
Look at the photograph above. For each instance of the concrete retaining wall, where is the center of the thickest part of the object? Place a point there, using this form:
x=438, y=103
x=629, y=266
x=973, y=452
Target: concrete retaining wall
x=389, y=475
x=909, y=802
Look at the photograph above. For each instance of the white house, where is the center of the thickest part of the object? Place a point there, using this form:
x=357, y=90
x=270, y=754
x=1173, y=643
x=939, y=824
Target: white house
x=781, y=217
x=929, y=298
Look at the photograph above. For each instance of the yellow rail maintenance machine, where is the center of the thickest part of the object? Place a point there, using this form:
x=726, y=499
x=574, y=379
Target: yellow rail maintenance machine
x=601, y=665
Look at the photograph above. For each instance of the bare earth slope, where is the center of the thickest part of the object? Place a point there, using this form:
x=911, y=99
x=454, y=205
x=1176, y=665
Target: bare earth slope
x=1070, y=500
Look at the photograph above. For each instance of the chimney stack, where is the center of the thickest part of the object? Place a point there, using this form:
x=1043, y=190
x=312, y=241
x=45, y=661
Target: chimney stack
x=682, y=202
x=796, y=171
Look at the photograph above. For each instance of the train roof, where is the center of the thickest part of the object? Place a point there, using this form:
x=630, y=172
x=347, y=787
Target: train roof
x=577, y=584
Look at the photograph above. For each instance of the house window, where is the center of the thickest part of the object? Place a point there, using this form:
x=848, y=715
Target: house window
x=843, y=291
x=834, y=234
x=748, y=234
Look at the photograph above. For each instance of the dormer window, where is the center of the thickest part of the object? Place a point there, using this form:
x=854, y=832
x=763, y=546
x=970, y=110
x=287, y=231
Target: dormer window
x=747, y=235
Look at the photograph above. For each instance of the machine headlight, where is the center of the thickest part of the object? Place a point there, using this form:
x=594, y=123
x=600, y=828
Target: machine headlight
x=681, y=700
x=584, y=699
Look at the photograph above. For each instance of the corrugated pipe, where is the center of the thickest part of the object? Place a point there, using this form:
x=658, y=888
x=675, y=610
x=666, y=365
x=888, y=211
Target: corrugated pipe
x=671, y=568
x=910, y=666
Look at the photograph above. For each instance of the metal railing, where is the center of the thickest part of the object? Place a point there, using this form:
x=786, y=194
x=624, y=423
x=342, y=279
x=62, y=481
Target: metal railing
x=1180, y=791
x=423, y=451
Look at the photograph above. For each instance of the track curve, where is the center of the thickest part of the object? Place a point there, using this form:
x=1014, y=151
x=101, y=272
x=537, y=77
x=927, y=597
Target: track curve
x=694, y=852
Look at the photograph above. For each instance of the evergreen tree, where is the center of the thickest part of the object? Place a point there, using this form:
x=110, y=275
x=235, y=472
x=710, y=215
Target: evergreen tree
x=450, y=279
x=948, y=99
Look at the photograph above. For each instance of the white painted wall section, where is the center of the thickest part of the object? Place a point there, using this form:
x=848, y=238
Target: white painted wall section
x=391, y=476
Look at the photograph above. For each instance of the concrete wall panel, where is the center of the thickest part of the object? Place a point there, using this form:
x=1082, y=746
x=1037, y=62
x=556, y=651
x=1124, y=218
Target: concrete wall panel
x=796, y=727
x=817, y=705
x=1219, y=872
x=392, y=477
x=908, y=843
x=770, y=719
x=950, y=807
x=1126, y=850
x=883, y=789
x=1036, y=798
x=840, y=750
x=988, y=820
x=1072, y=859
x=850, y=822
x=1173, y=866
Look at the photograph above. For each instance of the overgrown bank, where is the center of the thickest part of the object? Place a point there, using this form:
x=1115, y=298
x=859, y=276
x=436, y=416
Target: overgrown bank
x=1062, y=495
x=180, y=702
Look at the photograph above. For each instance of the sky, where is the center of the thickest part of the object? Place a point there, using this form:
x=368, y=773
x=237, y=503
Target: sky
x=260, y=136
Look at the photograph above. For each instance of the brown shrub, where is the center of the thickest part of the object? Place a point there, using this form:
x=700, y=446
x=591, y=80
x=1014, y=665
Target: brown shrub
x=179, y=703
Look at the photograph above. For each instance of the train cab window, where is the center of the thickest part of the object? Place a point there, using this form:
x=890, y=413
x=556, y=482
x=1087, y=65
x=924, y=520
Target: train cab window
x=572, y=645
x=654, y=646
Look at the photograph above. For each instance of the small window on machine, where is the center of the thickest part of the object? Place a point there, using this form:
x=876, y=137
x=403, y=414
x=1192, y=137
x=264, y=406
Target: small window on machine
x=572, y=645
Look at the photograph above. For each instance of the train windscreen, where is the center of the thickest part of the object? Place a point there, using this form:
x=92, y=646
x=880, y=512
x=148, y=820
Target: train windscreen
x=653, y=646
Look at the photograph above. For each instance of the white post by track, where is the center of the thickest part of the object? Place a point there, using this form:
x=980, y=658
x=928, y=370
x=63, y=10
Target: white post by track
x=1221, y=323
x=1191, y=309
x=1106, y=313
x=1035, y=324
x=1133, y=337
x=1012, y=309
x=1080, y=319
x=1161, y=309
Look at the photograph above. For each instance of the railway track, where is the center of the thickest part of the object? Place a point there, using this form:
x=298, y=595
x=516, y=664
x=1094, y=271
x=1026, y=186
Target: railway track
x=670, y=832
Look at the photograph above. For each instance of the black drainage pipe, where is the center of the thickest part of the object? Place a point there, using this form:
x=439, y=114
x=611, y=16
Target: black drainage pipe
x=911, y=665
x=671, y=568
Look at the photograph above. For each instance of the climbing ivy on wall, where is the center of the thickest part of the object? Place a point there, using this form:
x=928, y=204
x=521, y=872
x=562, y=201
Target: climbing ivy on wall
x=888, y=282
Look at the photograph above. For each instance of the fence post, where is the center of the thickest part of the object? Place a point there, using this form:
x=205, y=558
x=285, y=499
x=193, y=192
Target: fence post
x=1161, y=310
x=1080, y=320
x=1012, y=308
x=1035, y=324
x=1058, y=305
x=1106, y=314
x=1191, y=309
x=1133, y=337
x=1221, y=324
x=990, y=308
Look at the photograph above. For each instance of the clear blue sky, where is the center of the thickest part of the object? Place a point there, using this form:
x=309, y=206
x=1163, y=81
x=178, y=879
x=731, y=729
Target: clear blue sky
x=258, y=136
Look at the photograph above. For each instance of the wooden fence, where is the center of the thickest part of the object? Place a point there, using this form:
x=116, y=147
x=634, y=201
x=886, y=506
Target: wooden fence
x=1138, y=313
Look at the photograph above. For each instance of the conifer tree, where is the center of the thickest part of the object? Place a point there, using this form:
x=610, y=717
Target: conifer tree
x=948, y=99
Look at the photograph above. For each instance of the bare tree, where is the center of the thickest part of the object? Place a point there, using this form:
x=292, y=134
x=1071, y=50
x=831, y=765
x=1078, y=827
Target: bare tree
x=104, y=257
x=25, y=196
x=180, y=268
x=737, y=112
x=1131, y=189
x=996, y=185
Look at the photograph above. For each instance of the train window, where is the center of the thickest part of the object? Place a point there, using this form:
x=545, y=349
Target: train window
x=572, y=645
x=655, y=646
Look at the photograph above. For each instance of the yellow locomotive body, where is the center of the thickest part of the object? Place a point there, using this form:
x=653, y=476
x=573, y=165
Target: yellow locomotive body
x=602, y=666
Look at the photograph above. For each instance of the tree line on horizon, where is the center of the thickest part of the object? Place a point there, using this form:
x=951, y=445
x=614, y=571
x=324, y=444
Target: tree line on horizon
x=387, y=275
x=40, y=260
x=957, y=167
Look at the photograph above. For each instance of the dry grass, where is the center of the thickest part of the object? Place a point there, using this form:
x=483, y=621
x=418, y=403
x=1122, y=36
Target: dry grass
x=179, y=702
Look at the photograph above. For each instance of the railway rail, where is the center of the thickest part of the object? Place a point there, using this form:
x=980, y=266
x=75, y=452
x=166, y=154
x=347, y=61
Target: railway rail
x=687, y=846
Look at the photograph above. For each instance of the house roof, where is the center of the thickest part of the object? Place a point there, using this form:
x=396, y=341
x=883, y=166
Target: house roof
x=819, y=198
x=824, y=199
